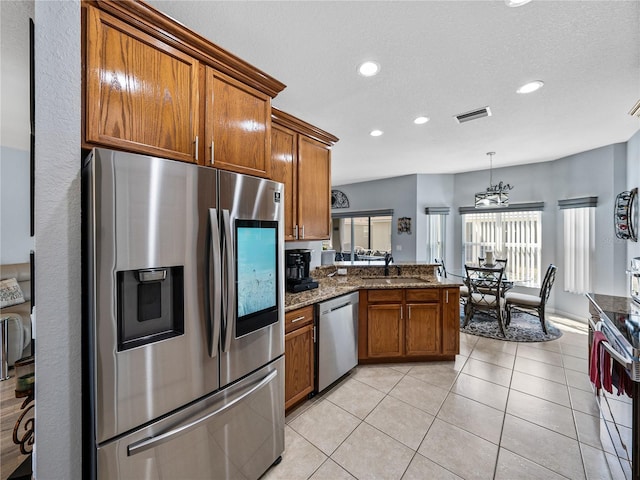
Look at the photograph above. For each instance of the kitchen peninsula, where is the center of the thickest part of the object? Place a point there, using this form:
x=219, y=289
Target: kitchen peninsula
x=413, y=316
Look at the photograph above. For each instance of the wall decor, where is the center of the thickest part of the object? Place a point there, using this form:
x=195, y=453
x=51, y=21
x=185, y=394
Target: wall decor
x=339, y=199
x=404, y=225
x=625, y=215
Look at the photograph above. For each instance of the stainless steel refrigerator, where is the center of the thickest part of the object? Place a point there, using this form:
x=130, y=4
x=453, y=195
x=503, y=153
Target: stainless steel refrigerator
x=184, y=303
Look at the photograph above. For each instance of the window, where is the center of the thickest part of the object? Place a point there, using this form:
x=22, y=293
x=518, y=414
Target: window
x=578, y=216
x=436, y=232
x=512, y=234
x=361, y=235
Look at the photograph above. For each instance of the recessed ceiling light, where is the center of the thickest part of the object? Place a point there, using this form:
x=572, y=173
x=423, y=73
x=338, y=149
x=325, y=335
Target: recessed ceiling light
x=376, y=133
x=530, y=87
x=516, y=3
x=421, y=120
x=368, y=69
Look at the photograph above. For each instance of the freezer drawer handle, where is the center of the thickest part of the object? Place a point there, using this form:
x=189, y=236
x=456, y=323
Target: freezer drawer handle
x=152, y=442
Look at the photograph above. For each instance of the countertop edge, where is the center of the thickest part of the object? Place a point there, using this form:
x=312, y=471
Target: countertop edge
x=333, y=287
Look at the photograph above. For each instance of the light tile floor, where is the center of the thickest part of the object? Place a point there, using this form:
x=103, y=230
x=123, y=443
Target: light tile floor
x=501, y=410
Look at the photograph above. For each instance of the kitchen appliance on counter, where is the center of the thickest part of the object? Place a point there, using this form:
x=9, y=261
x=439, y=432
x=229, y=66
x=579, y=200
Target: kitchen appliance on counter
x=337, y=338
x=297, y=268
x=618, y=318
x=183, y=372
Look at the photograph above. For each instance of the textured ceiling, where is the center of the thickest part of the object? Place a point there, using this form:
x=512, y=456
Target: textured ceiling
x=439, y=59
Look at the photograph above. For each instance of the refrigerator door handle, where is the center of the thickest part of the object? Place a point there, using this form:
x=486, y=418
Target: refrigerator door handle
x=215, y=282
x=152, y=442
x=227, y=252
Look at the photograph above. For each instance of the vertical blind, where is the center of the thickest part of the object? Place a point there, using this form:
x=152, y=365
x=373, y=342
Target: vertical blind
x=579, y=240
x=514, y=235
x=436, y=228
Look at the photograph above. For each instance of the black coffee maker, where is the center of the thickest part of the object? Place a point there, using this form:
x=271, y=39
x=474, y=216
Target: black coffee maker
x=297, y=267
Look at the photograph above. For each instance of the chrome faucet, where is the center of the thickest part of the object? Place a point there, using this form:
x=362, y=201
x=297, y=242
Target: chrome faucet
x=388, y=258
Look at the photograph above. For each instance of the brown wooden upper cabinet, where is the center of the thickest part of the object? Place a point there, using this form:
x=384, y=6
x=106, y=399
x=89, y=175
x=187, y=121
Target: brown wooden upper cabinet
x=237, y=126
x=301, y=159
x=153, y=86
x=141, y=94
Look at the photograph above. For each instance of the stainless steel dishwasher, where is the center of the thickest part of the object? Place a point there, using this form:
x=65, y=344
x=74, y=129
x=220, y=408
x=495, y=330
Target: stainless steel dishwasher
x=337, y=338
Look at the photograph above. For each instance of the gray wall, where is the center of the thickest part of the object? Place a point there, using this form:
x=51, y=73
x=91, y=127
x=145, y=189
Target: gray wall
x=593, y=173
x=58, y=344
x=600, y=172
x=399, y=194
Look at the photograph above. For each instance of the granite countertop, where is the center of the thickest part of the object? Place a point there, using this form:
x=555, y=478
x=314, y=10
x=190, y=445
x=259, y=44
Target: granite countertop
x=356, y=279
x=610, y=303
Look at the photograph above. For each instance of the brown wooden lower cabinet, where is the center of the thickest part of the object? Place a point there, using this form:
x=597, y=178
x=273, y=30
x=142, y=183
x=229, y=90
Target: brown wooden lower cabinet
x=299, y=355
x=408, y=324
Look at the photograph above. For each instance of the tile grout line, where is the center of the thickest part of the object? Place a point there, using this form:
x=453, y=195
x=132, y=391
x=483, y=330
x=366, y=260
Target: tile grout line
x=435, y=417
x=504, y=414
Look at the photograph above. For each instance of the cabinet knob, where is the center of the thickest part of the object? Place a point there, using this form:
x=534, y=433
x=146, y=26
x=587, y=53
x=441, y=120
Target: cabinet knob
x=212, y=153
x=196, y=142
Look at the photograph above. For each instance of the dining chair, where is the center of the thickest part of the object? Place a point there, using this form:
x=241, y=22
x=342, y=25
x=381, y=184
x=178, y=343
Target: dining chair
x=485, y=293
x=441, y=270
x=533, y=304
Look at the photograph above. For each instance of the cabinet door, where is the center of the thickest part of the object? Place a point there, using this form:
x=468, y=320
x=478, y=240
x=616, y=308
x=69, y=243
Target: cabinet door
x=283, y=169
x=237, y=126
x=451, y=321
x=141, y=94
x=385, y=330
x=299, y=361
x=314, y=189
x=423, y=329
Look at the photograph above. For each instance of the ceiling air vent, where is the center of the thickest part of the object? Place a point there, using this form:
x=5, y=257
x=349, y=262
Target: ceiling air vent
x=474, y=114
x=635, y=111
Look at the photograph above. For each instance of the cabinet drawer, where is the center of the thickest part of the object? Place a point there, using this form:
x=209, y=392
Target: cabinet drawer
x=298, y=318
x=423, y=295
x=384, y=295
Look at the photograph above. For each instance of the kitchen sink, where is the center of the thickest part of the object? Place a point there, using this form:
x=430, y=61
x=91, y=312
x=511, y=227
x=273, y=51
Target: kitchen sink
x=392, y=280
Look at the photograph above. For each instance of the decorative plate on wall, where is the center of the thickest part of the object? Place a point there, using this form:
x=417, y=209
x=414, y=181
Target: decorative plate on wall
x=339, y=199
x=625, y=215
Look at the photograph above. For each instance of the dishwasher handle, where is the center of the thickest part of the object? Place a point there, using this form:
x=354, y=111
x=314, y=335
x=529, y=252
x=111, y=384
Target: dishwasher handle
x=341, y=306
x=333, y=305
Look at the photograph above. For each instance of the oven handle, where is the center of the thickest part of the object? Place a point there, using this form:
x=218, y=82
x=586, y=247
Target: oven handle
x=617, y=356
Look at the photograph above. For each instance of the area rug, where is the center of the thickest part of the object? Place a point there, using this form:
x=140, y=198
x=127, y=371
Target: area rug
x=523, y=328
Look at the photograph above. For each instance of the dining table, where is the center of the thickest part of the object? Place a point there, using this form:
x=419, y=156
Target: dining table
x=507, y=284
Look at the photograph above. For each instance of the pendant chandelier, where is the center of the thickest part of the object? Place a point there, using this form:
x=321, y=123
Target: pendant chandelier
x=496, y=195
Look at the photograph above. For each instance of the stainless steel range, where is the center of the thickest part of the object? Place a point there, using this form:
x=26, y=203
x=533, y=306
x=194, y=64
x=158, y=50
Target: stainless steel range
x=618, y=318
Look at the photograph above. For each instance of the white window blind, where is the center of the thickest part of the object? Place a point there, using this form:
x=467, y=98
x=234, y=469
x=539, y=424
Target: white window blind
x=436, y=228
x=515, y=235
x=579, y=239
